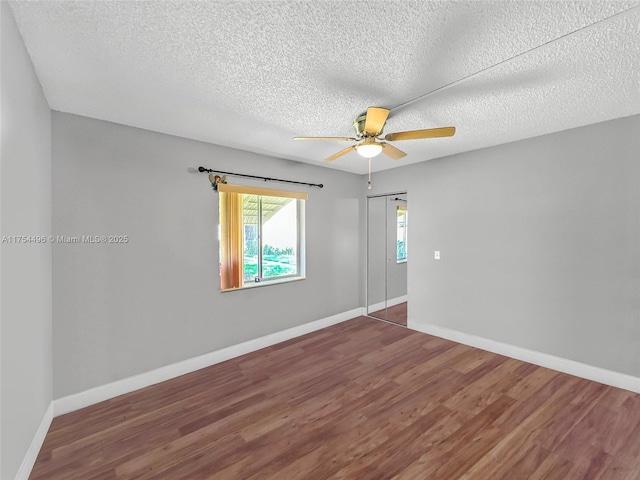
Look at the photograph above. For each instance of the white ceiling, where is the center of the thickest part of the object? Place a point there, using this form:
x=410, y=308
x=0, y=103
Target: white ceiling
x=253, y=74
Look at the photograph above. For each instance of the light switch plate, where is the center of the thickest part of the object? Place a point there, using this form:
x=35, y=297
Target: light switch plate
x=436, y=254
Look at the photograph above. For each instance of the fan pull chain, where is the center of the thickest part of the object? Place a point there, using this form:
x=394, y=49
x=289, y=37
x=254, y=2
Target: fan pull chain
x=369, y=182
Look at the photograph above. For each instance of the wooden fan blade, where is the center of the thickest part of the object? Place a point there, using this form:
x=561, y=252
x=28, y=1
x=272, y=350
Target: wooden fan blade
x=376, y=118
x=340, y=153
x=428, y=133
x=392, y=151
x=326, y=138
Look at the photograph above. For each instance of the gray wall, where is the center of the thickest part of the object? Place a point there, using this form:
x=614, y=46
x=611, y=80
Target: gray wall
x=125, y=309
x=540, y=243
x=25, y=314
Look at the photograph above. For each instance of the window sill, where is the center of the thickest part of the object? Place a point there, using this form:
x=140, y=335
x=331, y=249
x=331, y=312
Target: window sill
x=264, y=283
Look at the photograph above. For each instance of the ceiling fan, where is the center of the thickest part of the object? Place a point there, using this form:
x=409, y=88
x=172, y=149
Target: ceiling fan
x=368, y=133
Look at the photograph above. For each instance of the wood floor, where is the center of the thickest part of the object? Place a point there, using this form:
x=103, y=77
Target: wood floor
x=360, y=400
x=396, y=314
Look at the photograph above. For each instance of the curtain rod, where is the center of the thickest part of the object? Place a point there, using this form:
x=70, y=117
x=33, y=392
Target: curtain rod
x=266, y=179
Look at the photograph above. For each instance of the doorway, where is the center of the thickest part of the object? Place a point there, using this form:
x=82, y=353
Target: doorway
x=387, y=256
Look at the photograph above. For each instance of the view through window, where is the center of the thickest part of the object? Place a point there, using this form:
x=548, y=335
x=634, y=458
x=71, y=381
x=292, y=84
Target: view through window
x=270, y=237
x=401, y=223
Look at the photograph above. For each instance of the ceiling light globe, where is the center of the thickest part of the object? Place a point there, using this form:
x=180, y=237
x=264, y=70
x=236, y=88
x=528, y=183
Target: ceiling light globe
x=369, y=150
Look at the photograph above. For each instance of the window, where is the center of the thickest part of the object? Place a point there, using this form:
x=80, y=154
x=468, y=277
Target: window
x=261, y=236
x=401, y=224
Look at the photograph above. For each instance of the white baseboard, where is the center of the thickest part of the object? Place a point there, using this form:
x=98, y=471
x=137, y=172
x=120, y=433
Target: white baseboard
x=31, y=456
x=589, y=372
x=127, y=385
x=389, y=303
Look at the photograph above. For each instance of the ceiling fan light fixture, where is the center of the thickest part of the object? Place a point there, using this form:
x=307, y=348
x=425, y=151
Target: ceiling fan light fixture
x=369, y=150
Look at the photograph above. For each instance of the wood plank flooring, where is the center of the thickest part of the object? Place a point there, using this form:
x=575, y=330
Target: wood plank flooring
x=363, y=399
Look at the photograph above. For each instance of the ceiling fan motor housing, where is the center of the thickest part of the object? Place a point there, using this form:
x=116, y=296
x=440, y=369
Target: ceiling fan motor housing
x=358, y=125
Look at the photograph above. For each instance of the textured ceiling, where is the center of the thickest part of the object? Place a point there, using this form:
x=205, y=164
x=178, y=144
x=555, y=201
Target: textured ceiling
x=253, y=74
